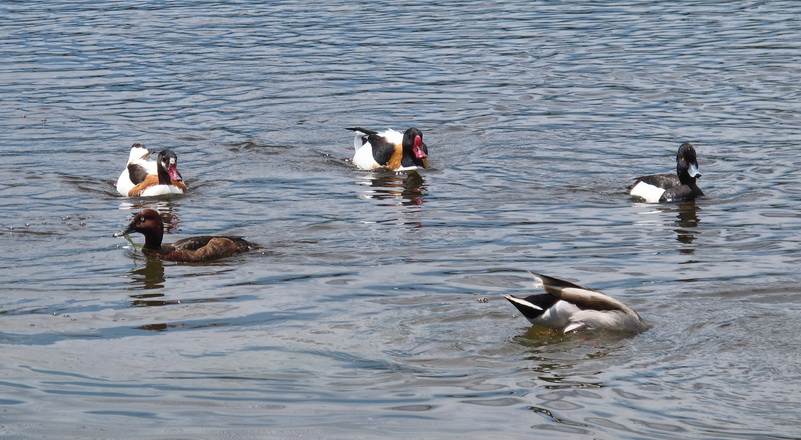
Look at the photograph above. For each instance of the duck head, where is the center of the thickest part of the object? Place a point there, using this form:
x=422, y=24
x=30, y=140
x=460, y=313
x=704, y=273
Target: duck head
x=414, y=147
x=687, y=164
x=168, y=161
x=149, y=224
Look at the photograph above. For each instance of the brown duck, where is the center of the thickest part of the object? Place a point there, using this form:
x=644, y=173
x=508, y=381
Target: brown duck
x=193, y=249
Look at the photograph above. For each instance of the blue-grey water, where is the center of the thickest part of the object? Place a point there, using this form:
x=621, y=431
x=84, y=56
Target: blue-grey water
x=375, y=308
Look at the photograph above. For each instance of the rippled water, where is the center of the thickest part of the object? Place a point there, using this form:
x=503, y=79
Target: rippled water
x=375, y=308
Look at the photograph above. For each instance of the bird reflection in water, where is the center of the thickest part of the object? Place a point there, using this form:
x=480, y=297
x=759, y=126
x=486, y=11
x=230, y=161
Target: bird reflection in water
x=399, y=188
x=687, y=221
x=164, y=207
x=148, y=277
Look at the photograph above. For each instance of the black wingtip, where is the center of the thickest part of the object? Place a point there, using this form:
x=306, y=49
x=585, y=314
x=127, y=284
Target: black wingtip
x=363, y=130
x=523, y=306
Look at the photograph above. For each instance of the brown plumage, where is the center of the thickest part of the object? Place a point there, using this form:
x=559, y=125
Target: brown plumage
x=193, y=249
x=394, y=161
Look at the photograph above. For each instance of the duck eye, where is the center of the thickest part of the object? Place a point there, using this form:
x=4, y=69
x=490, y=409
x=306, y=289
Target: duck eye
x=141, y=219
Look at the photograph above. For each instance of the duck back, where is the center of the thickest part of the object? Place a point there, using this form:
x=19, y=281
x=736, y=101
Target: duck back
x=202, y=248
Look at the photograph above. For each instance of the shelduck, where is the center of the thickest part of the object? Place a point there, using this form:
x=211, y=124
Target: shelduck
x=389, y=149
x=146, y=178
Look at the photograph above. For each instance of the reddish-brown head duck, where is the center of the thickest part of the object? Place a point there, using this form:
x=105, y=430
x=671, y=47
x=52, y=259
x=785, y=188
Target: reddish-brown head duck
x=202, y=248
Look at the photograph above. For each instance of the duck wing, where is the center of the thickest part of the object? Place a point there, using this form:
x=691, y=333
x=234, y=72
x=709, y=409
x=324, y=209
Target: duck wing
x=582, y=297
x=362, y=136
x=137, y=173
x=664, y=181
x=382, y=147
x=199, y=242
x=204, y=248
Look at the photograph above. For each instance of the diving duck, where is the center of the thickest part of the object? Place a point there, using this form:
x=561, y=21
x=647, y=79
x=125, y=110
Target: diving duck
x=679, y=187
x=569, y=307
x=193, y=249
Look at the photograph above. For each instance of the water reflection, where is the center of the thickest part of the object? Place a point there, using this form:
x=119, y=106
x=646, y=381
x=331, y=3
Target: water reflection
x=165, y=207
x=687, y=222
x=151, y=276
x=567, y=361
x=147, y=300
x=163, y=326
x=399, y=188
x=153, y=327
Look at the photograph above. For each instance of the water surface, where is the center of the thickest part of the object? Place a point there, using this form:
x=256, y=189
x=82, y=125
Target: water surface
x=375, y=308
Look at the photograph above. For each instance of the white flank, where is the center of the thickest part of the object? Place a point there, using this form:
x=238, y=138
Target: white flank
x=124, y=183
x=649, y=193
x=363, y=158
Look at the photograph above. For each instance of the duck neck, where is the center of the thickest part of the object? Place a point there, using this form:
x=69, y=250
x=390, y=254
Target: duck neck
x=164, y=175
x=153, y=239
x=686, y=179
x=684, y=176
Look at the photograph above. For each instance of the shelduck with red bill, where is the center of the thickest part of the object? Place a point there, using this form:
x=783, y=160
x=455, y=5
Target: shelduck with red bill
x=192, y=249
x=389, y=149
x=143, y=177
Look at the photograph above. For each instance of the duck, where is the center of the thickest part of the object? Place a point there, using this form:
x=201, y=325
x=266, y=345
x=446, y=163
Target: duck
x=145, y=178
x=389, y=149
x=569, y=308
x=192, y=249
x=679, y=187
